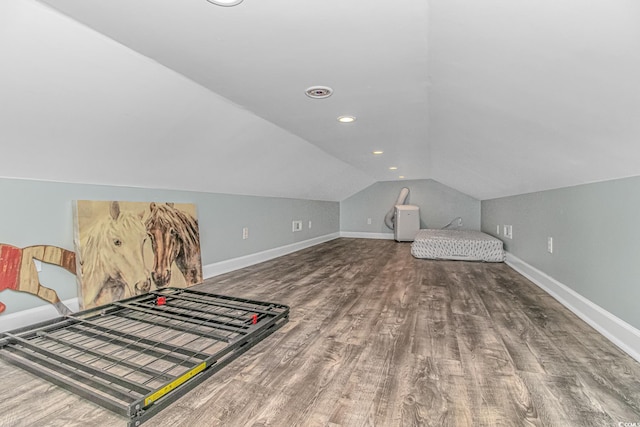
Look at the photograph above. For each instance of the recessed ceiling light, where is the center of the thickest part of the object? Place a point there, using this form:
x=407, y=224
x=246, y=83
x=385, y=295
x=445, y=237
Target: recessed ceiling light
x=392, y=168
x=225, y=2
x=318, y=92
x=378, y=152
x=346, y=119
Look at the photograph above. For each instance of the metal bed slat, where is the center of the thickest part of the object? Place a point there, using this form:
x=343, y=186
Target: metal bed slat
x=201, y=308
x=195, y=325
x=172, y=314
x=177, y=327
x=25, y=332
x=79, y=366
x=144, y=340
x=70, y=373
x=200, y=302
x=174, y=357
x=62, y=381
x=106, y=356
x=228, y=304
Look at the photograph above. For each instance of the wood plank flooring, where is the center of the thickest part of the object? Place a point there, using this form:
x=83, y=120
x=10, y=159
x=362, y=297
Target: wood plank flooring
x=378, y=338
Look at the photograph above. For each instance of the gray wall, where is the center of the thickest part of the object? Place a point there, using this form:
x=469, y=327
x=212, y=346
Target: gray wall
x=596, y=238
x=37, y=212
x=438, y=204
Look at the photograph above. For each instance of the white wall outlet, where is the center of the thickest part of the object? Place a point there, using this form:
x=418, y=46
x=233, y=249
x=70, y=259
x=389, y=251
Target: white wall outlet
x=508, y=231
x=550, y=245
x=309, y=223
x=368, y=221
x=296, y=226
x=245, y=233
x=459, y=222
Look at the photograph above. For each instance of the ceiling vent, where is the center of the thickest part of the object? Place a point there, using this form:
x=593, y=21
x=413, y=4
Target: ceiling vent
x=225, y=2
x=318, y=92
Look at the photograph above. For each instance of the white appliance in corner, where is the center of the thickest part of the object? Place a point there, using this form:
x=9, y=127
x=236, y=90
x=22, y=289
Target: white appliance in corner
x=407, y=223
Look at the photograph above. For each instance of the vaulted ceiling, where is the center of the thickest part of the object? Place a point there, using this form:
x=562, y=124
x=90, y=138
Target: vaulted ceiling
x=490, y=97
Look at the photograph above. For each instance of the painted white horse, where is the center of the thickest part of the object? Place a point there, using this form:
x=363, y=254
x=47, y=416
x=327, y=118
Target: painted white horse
x=111, y=258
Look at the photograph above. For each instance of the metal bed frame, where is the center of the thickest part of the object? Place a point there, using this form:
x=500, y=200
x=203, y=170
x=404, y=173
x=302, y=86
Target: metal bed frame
x=138, y=355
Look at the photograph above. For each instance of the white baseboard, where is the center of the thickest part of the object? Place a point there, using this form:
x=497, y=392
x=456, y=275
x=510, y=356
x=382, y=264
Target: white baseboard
x=615, y=329
x=226, y=266
x=47, y=312
x=34, y=315
x=363, y=235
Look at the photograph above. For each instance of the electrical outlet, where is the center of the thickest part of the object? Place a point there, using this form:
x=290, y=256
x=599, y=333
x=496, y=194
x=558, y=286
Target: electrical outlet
x=459, y=222
x=296, y=226
x=245, y=233
x=309, y=223
x=368, y=221
x=508, y=231
x=550, y=245
x=498, y=230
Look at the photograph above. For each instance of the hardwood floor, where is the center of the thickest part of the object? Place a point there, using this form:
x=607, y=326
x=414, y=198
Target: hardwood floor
x=378, y=338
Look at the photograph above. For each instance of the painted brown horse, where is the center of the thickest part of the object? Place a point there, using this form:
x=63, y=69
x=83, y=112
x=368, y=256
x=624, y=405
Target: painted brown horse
x=18, y=271
x=174, y=238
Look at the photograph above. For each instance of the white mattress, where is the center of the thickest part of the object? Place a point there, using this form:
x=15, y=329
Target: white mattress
x=457, y=245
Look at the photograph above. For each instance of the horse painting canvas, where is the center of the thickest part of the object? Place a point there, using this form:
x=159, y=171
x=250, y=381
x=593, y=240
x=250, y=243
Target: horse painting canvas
x=124, y=249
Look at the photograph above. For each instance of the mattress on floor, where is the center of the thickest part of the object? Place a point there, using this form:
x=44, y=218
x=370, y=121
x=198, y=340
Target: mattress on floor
x=457, y=245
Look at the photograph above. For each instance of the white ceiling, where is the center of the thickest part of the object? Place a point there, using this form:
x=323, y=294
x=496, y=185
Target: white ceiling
x=493, y=97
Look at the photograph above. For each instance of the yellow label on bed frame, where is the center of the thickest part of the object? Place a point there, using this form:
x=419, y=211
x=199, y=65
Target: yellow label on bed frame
x=175, y=383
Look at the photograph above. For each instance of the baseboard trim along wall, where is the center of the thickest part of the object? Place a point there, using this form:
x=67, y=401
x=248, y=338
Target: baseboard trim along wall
x=229, y=265
x=35, y=315
x=362, y=235
x=47, y=312
x=613, y=328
